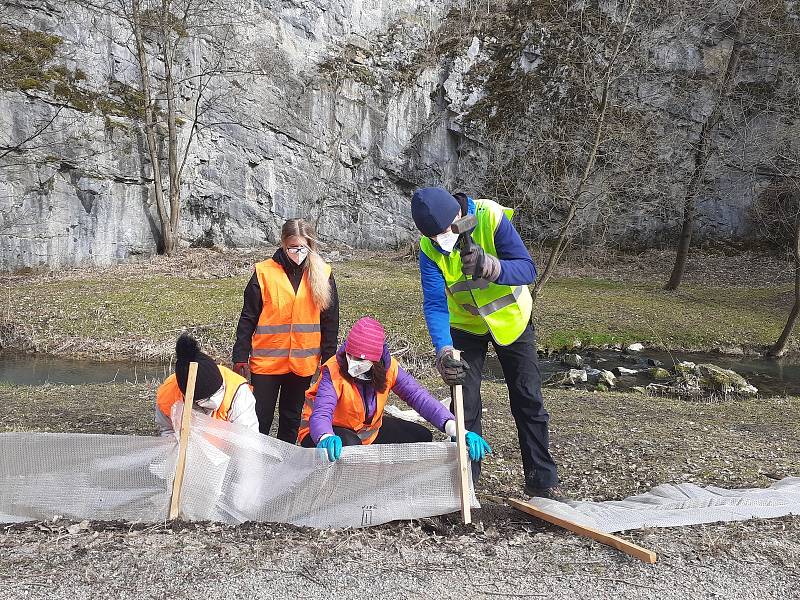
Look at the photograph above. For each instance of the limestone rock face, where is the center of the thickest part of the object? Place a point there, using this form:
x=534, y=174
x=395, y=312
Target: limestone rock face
x=315, y=134
x=340, y=110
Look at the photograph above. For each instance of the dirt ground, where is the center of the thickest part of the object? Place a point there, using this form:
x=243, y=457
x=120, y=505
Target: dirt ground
x=608, y=445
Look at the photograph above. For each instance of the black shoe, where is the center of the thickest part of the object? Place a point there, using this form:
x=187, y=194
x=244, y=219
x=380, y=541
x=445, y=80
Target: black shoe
x=551, y=493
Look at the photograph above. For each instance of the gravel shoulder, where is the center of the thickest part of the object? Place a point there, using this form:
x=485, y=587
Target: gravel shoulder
x=607, y=445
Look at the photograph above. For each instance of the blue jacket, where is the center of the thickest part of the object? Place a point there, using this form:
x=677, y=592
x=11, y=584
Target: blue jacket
x=516, y=268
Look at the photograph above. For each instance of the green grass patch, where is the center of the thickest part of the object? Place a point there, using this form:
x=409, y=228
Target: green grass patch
x=152, y=308
x=696, y=317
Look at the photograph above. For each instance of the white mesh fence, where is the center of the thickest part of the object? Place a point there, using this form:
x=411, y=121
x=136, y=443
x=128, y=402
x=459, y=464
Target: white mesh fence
x=671, y=505
x=82, y=476
x=232, y=475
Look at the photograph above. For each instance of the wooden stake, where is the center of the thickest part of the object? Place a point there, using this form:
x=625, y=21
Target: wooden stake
x=628, y=548
x=186, y=418
x=461, y=445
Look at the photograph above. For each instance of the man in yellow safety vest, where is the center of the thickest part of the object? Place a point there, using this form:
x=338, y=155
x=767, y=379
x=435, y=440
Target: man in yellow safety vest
x=480, y=295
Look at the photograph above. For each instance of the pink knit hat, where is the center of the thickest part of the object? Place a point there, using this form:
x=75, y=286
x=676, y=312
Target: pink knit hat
x=366, y=339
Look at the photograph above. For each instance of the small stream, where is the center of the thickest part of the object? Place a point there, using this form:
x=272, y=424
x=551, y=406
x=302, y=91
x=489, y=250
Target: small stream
x=771, y=377
x=34, y=369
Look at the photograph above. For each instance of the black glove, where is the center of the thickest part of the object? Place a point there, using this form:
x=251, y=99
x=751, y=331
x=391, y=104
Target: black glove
x=472, y=259
x=453, y=371
x=243, y=369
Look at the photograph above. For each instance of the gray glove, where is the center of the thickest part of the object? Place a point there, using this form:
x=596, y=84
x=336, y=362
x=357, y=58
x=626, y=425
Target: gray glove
x=472, y=258
x=453, y=371
x=477, y=264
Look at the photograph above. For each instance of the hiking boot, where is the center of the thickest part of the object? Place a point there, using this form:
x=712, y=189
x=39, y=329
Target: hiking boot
x=551, y=493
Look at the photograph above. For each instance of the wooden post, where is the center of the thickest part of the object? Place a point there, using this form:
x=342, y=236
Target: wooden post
x=186, y=418
x=625, y=546
x=461, y=445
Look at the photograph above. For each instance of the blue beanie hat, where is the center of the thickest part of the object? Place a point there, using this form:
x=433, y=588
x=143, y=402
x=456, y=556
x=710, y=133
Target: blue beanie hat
x=433, y=210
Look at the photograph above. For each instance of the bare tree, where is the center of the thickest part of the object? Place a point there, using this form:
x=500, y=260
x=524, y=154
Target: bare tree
x=577, y=196
x=161, y=36
x=704, y=146
x=559, y=141
x=762, y=137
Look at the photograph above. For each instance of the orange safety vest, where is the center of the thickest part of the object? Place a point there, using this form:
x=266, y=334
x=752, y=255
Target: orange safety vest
x=169, y=393
x=350, y=411
x=287, y=338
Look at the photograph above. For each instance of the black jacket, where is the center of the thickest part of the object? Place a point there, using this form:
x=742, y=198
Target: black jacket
x=253, y=303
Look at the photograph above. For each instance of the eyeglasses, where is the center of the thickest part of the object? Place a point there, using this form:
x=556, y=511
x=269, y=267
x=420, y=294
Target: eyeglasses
x=297, y=249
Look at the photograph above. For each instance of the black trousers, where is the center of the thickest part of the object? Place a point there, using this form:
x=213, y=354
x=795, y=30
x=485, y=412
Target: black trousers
x=392, y=431
x=521, y=371
x=292, y=390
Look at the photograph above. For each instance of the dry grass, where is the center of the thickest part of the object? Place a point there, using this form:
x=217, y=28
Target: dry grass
x=136, y=311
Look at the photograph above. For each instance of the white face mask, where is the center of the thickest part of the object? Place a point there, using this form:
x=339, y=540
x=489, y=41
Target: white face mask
x=297, y=254
x=447, y=241
x=358, y=367
x=213, y=402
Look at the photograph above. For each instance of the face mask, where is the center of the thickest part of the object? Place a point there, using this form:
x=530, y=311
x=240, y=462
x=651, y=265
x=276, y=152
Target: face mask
x=447, y=241
x=358, y=368
x=212, y=403
x=297, y=254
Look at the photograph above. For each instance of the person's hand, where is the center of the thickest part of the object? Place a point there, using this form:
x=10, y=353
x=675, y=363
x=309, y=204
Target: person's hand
x=477, y=446
x=477, y=264
x=333, y=446
x=243, y=369
x=472, y=259
x=453, y=371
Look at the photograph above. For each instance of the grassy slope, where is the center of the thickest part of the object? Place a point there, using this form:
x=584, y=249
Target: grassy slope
x=140, y=315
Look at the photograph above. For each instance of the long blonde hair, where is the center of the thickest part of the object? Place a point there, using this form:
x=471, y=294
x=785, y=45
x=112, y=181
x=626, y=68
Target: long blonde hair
x=318, y=278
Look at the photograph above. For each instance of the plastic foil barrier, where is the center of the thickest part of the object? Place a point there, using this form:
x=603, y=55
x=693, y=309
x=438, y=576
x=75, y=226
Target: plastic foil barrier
x=671, y=505
x=232, y=475
x=82, y=476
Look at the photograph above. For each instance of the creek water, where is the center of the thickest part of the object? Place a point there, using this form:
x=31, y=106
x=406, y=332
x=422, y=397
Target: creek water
x=35, y=369
x=771, y=377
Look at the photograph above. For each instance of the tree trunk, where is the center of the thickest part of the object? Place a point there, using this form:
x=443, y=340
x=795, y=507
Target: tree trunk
x=561, y=242
x=702, y=154
x=167, y=238
x=172, y=130
x=779, y=348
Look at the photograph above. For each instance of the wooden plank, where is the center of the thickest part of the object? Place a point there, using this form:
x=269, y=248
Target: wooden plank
x=177, y=482
x=461, y=444
x=608, y=539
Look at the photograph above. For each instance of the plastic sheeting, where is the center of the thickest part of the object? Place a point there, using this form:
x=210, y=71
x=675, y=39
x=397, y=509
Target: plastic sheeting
x=671, y=505
x=232, y=475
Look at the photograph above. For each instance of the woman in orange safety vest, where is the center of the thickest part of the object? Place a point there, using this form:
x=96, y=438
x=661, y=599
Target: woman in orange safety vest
x=345, y=407
x=218, y=391
x=288, y=325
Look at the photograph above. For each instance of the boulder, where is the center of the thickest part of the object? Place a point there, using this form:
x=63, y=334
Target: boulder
x=570, y=378
x=623, y=371
x=686, y=367
x=635, y=347
x=726, y=381
x=573, y=360
x=659, y=373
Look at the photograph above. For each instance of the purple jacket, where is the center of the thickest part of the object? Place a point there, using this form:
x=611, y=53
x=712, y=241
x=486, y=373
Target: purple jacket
x=406, y=387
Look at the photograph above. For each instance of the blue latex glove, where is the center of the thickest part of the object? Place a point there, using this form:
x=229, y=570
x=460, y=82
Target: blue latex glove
x=478, y=448
x=333, y=446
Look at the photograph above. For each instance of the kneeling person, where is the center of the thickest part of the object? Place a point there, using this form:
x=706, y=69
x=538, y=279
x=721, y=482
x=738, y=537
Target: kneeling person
x=345, y=406
x=218, y=391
